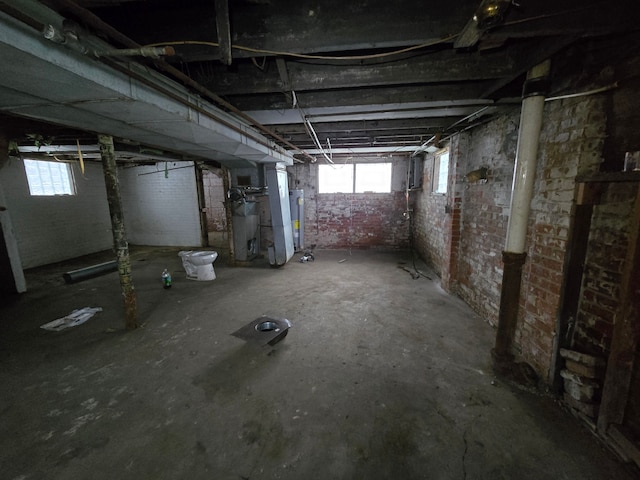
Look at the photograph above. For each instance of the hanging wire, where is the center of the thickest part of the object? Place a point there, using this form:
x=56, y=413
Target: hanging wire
x=308, y=56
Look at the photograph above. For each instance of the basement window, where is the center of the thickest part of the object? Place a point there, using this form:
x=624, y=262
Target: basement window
x=49, y=178
x=354, y=178
x=441, y=173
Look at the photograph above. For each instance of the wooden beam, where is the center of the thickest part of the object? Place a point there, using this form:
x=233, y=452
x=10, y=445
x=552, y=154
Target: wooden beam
x=291, y=25
x=577, y=245
x=284, y=74
x=527, y=58
x=626, y=334
x=364, y=96
x=224, y=30
x=440, y=67
x=120, y=244
x=588, y=193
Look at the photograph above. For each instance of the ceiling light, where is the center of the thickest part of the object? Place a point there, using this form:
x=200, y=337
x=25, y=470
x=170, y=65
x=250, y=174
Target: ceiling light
x=491, y=13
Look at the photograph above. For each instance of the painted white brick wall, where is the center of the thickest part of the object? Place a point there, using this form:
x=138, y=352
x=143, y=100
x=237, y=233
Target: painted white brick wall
x=161, y=210
x=52, y=229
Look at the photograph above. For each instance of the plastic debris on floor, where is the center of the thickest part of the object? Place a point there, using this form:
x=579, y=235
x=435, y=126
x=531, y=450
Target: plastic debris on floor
x=75, y=318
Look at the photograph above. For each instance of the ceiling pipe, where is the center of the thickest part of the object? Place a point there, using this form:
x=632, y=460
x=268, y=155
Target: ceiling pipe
x=95, y=22
x=151, y=52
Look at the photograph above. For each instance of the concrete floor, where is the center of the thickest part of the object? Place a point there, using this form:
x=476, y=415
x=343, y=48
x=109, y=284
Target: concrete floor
x=381, y=377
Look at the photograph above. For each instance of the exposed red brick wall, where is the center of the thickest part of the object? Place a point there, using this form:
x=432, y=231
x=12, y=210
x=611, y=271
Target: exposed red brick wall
x=571, y=143
x=485, y=213
x=606, y=254
x=438, y=218
x=214, y=196
x=359, y=220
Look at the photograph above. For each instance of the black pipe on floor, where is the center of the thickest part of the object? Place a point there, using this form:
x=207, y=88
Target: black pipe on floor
x=75, y=276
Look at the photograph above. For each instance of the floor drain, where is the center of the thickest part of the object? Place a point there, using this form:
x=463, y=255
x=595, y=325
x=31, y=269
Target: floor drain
x=268, y=327
x=264, y=330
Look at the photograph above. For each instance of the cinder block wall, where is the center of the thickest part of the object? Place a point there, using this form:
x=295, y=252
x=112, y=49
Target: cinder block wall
x=161, y=204
x=359, y=220
x=55, y=228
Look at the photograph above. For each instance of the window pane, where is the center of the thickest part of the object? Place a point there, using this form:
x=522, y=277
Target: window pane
x=442, y=176
x=49, y=178
x=335, y=178
x=373, y=177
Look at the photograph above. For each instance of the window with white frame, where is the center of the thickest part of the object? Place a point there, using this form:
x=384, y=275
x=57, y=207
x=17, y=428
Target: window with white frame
x=354, y=178
x=441, y=173
x=49, y=178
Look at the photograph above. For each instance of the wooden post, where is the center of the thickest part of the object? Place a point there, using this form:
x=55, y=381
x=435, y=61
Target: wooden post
x=586, y=195
x=224, y=30
x=509, y=304
x=226, y=184
x=117, y=225
x=204, y=230
x=626, y=334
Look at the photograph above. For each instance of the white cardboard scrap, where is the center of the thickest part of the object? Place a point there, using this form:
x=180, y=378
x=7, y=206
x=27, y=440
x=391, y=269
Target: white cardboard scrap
x=75, y=318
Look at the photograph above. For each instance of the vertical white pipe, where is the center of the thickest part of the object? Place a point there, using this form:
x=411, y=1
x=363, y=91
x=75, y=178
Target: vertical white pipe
x=526, y=159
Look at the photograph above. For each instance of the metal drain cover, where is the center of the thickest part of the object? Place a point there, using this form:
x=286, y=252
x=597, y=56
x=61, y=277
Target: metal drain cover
x=264, y=330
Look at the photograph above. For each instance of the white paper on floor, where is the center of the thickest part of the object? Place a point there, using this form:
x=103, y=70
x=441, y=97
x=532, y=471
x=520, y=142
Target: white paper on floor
x=75, y=318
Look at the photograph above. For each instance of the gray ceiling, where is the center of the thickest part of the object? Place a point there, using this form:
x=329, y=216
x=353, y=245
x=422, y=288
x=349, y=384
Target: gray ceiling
x=361, y=76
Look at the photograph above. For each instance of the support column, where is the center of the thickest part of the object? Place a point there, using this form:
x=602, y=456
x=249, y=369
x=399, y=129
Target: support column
x=117, y=226
x=282, y=249
x=202, y=207
x=514, y=255
x=12, y=275
x=226, y=184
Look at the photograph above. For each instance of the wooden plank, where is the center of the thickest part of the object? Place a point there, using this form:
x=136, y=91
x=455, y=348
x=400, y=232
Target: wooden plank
x=588, y=193
x=224, y=30
x=627, y=448
x=610, y=177
x=577, y=244
x=626, y=334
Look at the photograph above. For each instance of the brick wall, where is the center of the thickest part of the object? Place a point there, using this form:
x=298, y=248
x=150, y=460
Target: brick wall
x=55, y=228
x=161, y=206
x=604, y=263
x=485, y=214
x=571, y=143
x=361, y=220
x=430, y=220
x=438, y=217
x=610, y=223
x=214, y=197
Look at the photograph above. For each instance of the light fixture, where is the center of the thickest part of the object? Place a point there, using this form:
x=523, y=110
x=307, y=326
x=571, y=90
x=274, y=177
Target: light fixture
x=491, y=13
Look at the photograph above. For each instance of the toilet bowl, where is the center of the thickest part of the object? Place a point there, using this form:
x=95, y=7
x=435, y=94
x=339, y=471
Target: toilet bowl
x=199, y=265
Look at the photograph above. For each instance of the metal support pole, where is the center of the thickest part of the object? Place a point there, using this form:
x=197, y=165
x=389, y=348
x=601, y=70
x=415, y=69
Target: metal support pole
x=514, y=255
x=119, y=234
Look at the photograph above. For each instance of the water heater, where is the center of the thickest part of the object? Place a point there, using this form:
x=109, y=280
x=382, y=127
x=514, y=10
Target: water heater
x=296, y=204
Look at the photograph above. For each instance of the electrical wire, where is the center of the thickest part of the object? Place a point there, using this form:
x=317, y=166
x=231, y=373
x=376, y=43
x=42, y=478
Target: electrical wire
x=308, y=56
x=373, y=55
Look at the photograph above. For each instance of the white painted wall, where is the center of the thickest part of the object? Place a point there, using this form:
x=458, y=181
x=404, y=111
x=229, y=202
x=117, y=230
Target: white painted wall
x=161, y=206
x=51, y=229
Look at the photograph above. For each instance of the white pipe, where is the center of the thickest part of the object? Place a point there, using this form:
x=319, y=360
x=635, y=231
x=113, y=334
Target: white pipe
x=526, y=159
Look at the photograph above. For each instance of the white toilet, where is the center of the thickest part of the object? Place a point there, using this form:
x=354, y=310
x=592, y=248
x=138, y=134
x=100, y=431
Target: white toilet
x=199, y=265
